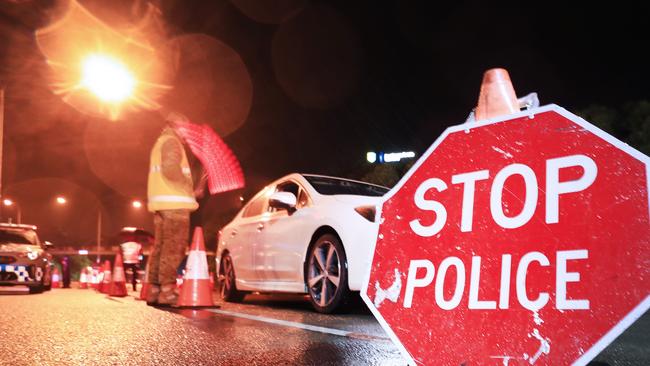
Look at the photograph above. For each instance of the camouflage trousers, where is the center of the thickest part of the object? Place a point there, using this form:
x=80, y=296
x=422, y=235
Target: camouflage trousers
x=171, y=232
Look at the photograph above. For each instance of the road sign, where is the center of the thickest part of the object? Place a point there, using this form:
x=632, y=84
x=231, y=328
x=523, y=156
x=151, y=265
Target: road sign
x=521, y=240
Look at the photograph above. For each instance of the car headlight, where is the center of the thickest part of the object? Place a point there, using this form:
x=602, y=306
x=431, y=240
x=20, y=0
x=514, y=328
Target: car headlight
x=32, y=255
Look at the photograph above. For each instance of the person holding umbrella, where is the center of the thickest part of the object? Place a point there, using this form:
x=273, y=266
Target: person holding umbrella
x=172, y=195
x=171, y=198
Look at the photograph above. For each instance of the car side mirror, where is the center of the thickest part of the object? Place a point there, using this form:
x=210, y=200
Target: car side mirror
x=283, y=201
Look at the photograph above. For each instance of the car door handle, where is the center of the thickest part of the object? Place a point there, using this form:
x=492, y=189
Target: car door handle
x=260, y=227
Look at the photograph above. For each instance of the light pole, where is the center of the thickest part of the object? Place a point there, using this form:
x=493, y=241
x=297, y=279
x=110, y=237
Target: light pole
x=9, y=202
x=2, y=127
x=99, y=232
x=61, y=200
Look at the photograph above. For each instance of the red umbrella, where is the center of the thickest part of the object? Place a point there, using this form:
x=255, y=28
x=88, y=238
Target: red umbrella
x=221, y=165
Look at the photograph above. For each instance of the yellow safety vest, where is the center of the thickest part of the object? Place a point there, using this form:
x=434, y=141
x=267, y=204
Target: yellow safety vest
x=162, y=193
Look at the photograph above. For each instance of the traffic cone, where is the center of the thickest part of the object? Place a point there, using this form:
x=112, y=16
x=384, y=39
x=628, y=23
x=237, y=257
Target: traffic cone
x=97, y=278
x=196, y=290
x=145, y=285
x=56, y=278
x=118, y=285
x=105, y=286
x=83, y=279
x=497, y=96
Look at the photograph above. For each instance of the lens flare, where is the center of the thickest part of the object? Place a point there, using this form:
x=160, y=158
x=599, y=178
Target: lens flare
x=107, y=78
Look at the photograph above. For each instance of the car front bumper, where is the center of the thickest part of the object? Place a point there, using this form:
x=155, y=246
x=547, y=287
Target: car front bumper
x=20, y=274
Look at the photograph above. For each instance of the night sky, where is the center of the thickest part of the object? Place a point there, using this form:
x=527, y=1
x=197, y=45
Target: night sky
x=298, y=85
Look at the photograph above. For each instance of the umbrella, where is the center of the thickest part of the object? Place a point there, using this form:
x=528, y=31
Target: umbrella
x=222, y=167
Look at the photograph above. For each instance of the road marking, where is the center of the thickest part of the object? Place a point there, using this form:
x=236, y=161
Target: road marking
x=312, y=328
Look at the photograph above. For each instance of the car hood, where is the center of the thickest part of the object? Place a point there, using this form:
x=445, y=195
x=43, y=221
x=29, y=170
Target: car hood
x=19, y=248
x=357, y=200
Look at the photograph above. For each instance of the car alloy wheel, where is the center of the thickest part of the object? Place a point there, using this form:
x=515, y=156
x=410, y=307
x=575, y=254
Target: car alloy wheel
x=327, y=274
x=229, y=290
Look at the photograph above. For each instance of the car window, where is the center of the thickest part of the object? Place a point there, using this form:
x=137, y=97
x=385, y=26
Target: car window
x=256, y=206
x=332, y=186
x=302, y=199
x=18, y=237
x=288, y=187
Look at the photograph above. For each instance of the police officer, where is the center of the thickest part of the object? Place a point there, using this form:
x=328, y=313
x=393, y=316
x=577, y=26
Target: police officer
x=171, y=199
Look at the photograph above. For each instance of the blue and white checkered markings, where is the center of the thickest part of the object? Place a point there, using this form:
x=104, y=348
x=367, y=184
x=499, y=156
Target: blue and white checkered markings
x=21, y=271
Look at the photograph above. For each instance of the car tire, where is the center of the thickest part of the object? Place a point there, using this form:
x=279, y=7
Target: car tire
x=229, y=290
x=36, y=289
x=47, y=287
x=326, y=274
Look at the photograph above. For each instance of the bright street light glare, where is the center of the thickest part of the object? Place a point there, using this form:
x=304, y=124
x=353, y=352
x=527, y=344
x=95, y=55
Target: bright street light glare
x=136, y=204
x=61, y=200
x=107, y=78
x=7, y=202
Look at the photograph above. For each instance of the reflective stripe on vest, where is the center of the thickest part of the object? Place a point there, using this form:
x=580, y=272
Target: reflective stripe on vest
x=172, y=198
x=162, y=193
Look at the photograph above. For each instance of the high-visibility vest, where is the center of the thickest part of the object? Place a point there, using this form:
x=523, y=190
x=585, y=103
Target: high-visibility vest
x=131, y=251
x=162, y=193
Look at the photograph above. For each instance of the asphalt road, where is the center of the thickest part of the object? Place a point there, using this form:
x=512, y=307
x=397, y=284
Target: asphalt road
x=82, y=327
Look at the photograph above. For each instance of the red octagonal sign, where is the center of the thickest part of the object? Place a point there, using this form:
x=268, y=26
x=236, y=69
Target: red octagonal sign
x=512, y=242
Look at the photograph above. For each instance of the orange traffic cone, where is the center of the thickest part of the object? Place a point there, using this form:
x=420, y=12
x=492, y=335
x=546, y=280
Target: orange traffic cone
x=105, y=286
x=145, y=285
x=196, y=290
x=497, y=96
x=83, y=279
x=118, y=285
x=56, y=278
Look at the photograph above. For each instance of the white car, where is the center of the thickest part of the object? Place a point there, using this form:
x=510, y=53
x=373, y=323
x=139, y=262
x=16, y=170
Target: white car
x=301, y=234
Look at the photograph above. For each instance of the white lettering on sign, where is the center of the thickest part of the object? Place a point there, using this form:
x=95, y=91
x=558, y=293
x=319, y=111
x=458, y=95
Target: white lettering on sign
x=522, y=271
x=460, y=283
x=530, y=196
x=554, y=188
x=412, y=281
x=469, y=186
x=475, y=279
x=430, y=205
x=562, y=277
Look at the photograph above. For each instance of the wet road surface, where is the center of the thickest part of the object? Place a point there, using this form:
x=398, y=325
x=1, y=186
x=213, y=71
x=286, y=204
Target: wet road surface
x=82, y=327
x=75, y=327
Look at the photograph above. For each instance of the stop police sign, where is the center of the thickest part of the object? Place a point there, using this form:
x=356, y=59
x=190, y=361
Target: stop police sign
x=516, y=241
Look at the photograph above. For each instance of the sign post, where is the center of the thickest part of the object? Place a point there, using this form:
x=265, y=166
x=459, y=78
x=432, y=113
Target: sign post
x=518, y=240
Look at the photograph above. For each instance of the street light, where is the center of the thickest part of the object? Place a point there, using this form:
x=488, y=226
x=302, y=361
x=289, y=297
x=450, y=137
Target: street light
x=61, y=200
x=8, y=202
x=108, y=78
x=136, y=204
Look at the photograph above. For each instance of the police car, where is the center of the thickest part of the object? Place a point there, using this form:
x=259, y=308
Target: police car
x=23, y=258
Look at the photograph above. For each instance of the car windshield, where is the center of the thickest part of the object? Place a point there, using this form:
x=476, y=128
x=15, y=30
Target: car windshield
x=17, y=237
x=332, y=186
